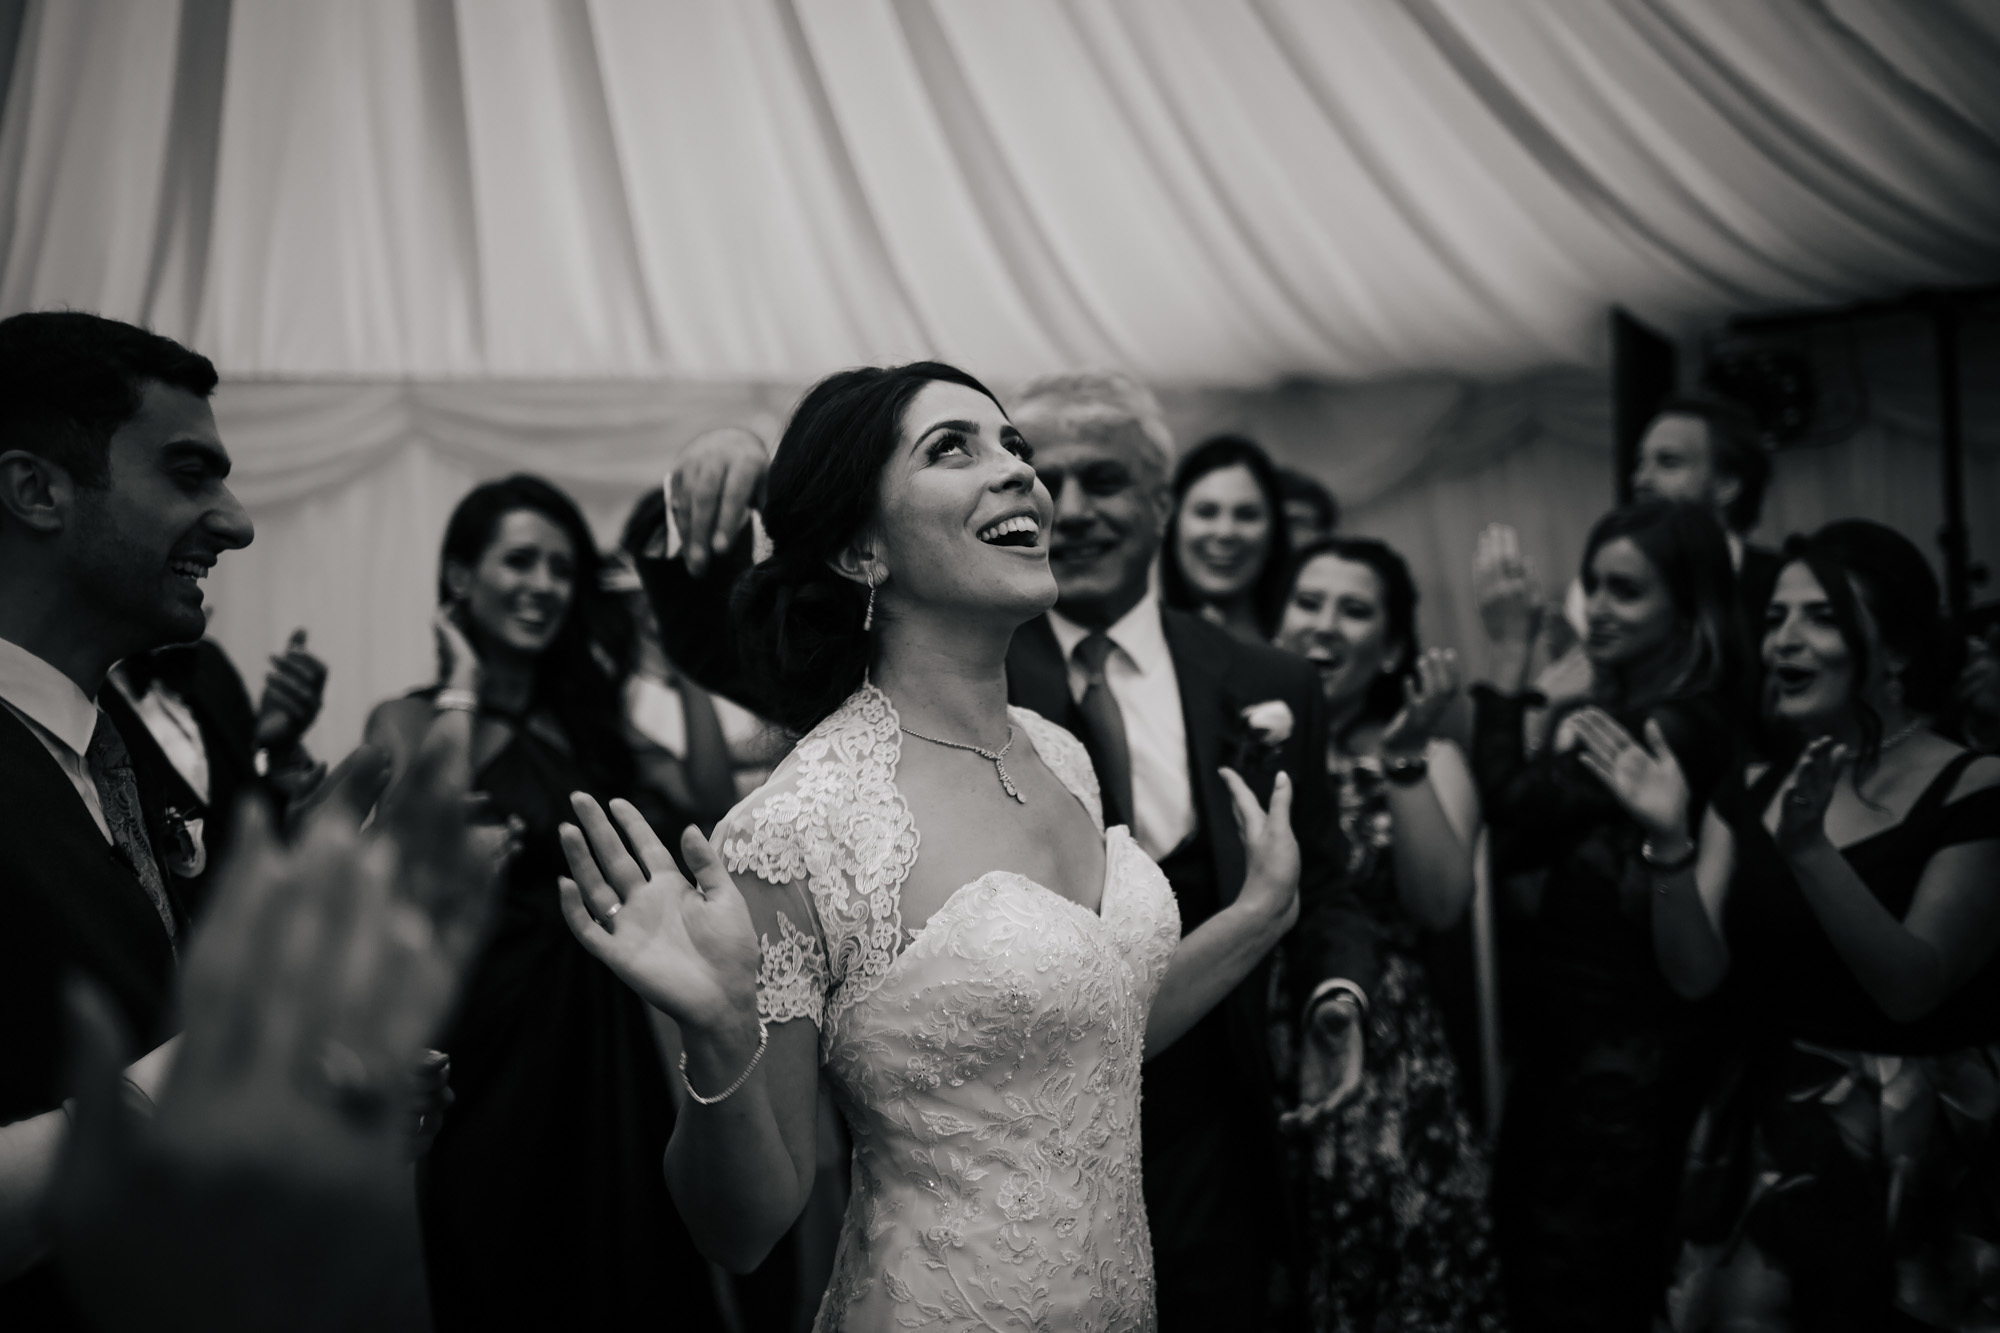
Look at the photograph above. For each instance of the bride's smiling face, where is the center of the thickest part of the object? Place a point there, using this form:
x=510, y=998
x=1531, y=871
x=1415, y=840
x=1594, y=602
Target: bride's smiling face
x=961, y=520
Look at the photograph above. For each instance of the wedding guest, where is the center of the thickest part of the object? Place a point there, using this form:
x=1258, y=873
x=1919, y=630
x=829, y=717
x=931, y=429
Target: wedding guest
x=1976, y=698
x=113, y=507
x=1397, y=1230
x=1864, y=920
x=1604, y=974
x=197, y=745
x=266, y=1185
x=1311, y=512
x=694, y=750
x=542, y=1197
x=1161, y=699
x=1227, y=552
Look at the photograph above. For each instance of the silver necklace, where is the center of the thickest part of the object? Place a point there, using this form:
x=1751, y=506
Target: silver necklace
x=1916, y=725
x=996, y=758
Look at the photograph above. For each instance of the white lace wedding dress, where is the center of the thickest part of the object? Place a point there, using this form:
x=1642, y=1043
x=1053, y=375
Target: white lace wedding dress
x=987, y=1066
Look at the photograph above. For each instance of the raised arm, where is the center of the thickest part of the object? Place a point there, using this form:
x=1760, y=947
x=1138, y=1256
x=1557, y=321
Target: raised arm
x=741, y=1161
x=715, y=484
x=1216, y=955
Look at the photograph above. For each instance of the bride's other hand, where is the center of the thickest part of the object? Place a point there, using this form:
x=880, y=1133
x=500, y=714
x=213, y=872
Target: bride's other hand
x=689, y=950
x=1271, y=884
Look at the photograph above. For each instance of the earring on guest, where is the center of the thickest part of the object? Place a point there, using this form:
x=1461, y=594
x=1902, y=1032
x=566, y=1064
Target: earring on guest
x=868, y=616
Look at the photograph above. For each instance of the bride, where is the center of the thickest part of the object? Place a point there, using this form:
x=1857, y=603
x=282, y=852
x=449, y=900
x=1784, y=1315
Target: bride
x=922, y=906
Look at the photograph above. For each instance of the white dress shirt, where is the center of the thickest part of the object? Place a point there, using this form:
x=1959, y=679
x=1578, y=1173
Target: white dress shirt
x=62, y=717
x=172, y=725
x=1140, y=672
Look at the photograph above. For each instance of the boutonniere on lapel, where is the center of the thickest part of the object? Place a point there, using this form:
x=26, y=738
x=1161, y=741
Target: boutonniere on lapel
x=1256, y=741
x=178, y=838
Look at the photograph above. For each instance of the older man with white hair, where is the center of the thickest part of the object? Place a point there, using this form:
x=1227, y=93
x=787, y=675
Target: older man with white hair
x=1163, y=700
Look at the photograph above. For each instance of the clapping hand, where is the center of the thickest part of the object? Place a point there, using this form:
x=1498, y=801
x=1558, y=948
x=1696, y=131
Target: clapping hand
x=1646, y=779
x=1802, y=813
x=689, y=950
x=1426, y=698
x=293, y=692
x=458, y=661
x=1506, y=589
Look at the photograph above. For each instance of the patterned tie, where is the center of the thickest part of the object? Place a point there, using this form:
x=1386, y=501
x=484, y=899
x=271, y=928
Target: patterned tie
x=1107, y=729
x=118, y=792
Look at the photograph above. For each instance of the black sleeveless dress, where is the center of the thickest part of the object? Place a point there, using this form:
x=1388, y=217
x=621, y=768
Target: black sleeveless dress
x=1609, y=1065
x=1859, y=1151
x=544, y=1203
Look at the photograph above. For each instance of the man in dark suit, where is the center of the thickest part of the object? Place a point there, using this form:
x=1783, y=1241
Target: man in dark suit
x=1163, y=700
x=197, y=745
x=112, y=507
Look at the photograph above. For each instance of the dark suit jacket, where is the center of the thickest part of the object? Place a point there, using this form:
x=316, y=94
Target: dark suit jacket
x=1755, y=579
x=201, y=674
x=69, y=905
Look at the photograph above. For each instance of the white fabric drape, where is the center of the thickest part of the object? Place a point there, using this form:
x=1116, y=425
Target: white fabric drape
x=430, y=241
x=1207, y=190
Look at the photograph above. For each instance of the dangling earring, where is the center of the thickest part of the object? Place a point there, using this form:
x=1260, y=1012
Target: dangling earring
x=868, y=616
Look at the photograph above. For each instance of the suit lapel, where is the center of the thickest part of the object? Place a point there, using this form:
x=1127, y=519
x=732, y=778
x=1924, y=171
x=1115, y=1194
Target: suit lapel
x=1037, y=676
x=1201, y=667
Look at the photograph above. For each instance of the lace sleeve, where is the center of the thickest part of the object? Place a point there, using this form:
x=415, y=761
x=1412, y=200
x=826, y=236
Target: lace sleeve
x=791, y=975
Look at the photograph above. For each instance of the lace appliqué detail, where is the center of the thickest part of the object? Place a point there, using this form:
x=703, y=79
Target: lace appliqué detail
x=845, y=832
x=1066, y=758
x=791, y=975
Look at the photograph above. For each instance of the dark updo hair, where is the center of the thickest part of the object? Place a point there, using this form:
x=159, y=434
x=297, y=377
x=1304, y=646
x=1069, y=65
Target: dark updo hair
x=797, y=622
x=1902, y=596
x=1272, y=584
x=575, y=676
x=1399, y=613
x=1687, y=546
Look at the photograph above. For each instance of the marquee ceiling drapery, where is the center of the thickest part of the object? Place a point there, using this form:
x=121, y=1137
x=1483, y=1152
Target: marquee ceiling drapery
x=1208, y=190
x=431, y=240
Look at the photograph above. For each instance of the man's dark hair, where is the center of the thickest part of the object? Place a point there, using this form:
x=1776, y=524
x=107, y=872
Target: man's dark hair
x=69, y=380
x=1296, y=485
x=1735, y=450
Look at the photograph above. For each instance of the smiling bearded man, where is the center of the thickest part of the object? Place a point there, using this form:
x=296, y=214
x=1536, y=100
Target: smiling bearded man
x=113, y=508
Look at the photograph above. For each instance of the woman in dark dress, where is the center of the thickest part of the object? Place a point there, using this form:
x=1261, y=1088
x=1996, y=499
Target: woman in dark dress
x=1863, y=920
x=1393, y=1182
x=544, y=1204
x=1603, y=976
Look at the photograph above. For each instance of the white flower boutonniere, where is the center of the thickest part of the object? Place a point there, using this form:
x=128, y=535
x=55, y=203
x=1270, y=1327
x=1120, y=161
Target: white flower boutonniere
x=1270, y=722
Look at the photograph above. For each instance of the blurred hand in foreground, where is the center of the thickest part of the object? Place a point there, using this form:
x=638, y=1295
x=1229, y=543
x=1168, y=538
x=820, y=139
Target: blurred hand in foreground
x=270, y=1188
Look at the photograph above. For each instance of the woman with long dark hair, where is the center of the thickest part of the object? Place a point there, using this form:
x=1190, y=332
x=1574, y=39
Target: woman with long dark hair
x=1393, y=1182
x=923, y=905
x=542, y=1197
x=1226, y=553
x=1864, y=919
x=1604, y=975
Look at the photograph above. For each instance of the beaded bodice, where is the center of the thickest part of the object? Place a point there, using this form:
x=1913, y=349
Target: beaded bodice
x=987, y=1066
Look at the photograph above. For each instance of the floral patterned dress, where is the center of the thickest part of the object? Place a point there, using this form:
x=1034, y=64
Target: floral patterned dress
x=1392, y=1189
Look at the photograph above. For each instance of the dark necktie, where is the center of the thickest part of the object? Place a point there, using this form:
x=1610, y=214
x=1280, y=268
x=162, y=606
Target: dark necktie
x=1107, y=730
x=118, y=792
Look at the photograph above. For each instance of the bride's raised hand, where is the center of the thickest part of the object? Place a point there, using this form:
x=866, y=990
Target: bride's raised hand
x=689, y=950
x=1271, y=881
